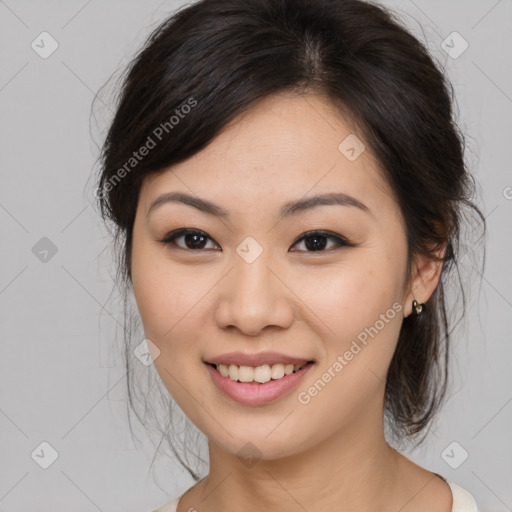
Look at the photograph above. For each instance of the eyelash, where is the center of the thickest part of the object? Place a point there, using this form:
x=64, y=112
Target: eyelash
x=340, y=240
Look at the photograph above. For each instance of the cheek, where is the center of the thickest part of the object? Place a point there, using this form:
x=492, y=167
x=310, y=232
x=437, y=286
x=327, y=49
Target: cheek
x=353, y=296
x=358, y=306
x=175, y=306
x=167, y=302
x=165, y=296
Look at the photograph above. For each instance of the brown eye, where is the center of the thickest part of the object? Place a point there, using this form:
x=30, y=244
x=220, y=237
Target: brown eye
x=193, y=239
x=316, y=241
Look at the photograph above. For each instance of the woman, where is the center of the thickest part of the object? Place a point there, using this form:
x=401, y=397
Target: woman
x=288, y=186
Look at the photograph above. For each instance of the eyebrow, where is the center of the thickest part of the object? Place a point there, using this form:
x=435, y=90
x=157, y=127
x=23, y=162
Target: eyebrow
x=287, y=210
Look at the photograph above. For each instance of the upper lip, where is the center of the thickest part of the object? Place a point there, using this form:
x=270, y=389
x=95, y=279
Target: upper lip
x=241, y=359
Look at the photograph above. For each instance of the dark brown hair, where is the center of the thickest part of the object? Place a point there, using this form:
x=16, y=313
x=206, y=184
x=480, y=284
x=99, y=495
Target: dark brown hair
x=214, y=59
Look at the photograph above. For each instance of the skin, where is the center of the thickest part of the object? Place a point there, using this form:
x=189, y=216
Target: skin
x=330, y=453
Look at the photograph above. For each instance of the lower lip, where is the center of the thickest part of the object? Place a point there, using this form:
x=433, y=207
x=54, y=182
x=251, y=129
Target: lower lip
x=253, y=393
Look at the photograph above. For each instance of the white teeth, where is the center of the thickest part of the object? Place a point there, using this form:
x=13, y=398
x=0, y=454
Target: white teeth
x=260, y=374
x=245, y=373
x=233, y=372
x=277, y=371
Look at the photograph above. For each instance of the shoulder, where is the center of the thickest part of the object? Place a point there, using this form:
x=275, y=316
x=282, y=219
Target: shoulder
x=168, y=507
x=172, y=506
x=463, y=501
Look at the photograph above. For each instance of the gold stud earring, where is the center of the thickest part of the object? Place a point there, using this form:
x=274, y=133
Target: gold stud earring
x=418, y=308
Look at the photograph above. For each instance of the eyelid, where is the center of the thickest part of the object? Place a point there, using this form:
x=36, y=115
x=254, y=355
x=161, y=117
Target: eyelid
x=169, y=238
x=339, y=239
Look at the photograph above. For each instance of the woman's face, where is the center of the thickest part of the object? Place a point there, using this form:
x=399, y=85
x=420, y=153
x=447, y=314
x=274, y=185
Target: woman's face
x=250, y=283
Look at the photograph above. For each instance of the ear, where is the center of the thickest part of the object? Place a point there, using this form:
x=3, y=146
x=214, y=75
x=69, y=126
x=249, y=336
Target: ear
x=426, y=272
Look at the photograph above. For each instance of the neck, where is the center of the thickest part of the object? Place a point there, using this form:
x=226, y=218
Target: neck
x=355, y=468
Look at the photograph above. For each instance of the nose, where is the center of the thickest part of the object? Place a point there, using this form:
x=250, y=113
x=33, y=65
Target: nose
x=253, y=297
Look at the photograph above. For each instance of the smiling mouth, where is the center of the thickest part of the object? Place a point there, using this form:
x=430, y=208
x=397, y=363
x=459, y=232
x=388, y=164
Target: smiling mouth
x=259, y=374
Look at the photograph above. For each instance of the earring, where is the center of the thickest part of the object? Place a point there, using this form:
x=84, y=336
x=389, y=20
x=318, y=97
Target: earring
x=418, y=308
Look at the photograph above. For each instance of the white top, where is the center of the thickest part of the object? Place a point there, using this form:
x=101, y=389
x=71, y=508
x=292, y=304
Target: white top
x=463, y=501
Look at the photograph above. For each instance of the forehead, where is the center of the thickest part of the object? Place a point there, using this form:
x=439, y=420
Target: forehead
x=285, y=147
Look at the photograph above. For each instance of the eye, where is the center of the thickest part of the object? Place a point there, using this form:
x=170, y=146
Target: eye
x=314, y=241
x=317, y=240
x=193, y=239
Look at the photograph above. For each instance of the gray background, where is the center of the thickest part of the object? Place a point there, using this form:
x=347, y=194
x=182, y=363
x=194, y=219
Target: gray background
x=60, y=379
